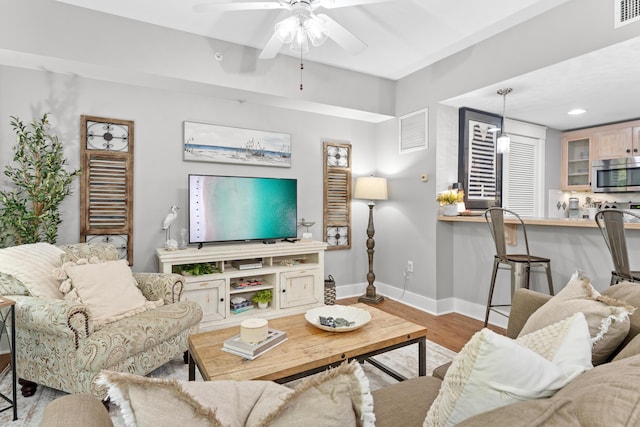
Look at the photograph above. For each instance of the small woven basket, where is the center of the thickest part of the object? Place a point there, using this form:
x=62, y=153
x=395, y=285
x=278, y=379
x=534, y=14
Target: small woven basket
x=330, y=291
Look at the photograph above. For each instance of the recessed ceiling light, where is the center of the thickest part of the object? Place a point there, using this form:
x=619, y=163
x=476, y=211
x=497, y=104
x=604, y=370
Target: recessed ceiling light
x=577, y=111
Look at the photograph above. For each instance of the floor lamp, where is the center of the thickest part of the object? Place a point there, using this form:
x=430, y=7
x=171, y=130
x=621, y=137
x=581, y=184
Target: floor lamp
x=371, y=188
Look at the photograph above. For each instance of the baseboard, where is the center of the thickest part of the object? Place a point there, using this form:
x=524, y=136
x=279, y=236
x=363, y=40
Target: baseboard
x=429, y=305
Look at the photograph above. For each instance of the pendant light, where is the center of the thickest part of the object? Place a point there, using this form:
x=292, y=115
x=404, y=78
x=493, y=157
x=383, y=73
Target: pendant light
x=503, y=141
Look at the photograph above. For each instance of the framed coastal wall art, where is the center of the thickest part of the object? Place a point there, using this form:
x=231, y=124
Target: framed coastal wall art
x=204, y=142
x=479, y=165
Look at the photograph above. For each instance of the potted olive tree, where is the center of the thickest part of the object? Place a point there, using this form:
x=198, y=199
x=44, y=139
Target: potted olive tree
x=30, y=208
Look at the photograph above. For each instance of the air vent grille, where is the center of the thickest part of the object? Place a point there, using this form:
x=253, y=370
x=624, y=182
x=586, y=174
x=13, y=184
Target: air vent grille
x=627, y=11
x=413, y=131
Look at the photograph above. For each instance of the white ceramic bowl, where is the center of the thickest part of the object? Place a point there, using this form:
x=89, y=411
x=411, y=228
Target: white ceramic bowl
x=352, y=314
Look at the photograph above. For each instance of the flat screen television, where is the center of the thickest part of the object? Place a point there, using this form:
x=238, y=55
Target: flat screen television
x=231, y=208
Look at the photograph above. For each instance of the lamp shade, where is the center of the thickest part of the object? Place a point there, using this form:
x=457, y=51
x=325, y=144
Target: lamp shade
x=371, y=188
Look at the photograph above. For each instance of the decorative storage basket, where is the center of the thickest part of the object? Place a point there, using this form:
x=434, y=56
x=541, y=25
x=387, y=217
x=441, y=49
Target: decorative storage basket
x=329, y=291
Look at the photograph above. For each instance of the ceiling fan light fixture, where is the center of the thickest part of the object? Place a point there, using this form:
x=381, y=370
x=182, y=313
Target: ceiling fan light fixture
x=316, y=30
x=287, y=29
x=299, y=43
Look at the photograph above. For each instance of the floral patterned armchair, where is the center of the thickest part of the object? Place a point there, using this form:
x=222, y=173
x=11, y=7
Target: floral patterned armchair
x=59, y=346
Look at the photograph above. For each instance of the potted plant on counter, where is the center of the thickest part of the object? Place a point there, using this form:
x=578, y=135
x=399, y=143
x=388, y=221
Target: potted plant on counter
x=449, y=200
x=263, y=298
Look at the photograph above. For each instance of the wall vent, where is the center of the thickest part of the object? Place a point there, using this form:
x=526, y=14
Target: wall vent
x=413, y=131
x=627, y=11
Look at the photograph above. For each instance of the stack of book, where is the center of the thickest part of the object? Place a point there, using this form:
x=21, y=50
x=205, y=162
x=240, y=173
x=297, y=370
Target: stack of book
x=250, y=351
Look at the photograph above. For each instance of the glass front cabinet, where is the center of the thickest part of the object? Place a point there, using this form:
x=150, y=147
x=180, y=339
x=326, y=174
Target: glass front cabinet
x=576, y=161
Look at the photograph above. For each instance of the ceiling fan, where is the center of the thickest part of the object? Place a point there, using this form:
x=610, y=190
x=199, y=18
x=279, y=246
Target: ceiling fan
x=302, y=27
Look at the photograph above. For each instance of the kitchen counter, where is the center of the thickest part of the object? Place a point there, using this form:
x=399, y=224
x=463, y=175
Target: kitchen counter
x=553, y=222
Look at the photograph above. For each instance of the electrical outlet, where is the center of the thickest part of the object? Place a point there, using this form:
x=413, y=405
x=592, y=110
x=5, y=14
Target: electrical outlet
x=409, y=266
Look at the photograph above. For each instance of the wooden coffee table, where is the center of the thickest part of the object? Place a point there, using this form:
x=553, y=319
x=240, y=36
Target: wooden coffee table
x=308, y=349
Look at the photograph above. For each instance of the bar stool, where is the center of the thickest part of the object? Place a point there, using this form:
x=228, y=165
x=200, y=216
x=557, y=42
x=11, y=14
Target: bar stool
x=611, y=225
x=519, y=264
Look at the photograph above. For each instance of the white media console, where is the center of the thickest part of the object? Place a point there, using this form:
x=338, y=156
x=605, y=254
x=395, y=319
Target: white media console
x=293, y=271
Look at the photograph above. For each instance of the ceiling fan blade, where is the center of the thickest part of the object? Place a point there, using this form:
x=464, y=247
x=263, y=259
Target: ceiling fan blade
x=272, y=48
x=343, y=37
x=218, y=6
x=334, y=4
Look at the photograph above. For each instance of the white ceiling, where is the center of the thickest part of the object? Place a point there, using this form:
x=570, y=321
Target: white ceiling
x=605, y=82
x=404, y=36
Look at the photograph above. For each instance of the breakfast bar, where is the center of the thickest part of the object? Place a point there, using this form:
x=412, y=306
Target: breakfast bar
x=466, y=247
x=511, y=223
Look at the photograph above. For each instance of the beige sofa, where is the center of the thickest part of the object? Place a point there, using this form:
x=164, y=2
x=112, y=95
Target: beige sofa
x=606, y=395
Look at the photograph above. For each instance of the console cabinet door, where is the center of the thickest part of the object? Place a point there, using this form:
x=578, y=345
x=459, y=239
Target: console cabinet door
x=210, y=294
x=298, y=288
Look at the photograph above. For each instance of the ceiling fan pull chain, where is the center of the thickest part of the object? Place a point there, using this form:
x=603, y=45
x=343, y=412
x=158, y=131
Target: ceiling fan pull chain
x=301, y=69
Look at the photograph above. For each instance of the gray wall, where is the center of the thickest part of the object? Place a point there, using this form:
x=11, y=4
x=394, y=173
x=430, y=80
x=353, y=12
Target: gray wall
x=452, y=261
x=69, y=61
x=160, y=178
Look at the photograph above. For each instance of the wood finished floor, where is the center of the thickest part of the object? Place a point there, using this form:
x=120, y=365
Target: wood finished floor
x=451, y=330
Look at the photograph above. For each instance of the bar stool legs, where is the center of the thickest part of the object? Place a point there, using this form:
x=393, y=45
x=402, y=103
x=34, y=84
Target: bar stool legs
x=519, y=264
x=549, y=278
x=520, y=276
x=496, y=265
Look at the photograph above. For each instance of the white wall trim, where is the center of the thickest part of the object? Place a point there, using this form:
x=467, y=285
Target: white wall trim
x=428, y=305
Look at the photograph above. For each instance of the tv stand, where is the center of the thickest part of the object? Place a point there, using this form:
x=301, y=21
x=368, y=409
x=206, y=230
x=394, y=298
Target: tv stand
x=293, y=273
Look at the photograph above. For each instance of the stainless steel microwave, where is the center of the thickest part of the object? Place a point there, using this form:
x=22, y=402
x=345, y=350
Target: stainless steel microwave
x=616, y=175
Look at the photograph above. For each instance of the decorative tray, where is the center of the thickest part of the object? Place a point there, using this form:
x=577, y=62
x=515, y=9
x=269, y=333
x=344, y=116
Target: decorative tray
x=345, y=318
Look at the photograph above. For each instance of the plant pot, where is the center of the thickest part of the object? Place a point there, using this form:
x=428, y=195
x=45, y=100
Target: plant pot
x=263, y=304
x=450, y=210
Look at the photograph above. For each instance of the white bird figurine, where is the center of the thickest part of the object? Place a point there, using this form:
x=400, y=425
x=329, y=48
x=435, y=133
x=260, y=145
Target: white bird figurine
x=168, y=220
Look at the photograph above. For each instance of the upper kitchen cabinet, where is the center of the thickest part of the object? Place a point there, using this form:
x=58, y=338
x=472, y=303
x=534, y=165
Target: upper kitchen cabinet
x=581, y=147
x=576, y=160
x=617, y=140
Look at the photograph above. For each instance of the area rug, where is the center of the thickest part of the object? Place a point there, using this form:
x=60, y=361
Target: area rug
x=403, y=360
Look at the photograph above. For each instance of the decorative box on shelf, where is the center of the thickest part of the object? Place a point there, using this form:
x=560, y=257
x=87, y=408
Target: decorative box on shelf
x=239, y=305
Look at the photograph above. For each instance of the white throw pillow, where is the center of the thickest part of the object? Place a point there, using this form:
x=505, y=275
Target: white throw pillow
x=108, y=289
x=32, y=265
x=492, y=371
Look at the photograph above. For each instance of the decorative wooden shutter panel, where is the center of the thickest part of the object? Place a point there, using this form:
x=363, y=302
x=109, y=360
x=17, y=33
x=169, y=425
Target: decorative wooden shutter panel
x=106, y=189
x=337, y=195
